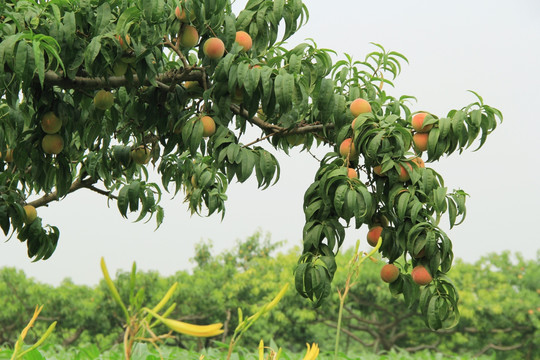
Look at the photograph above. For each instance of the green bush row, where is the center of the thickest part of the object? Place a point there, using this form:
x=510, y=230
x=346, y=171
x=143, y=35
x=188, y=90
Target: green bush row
x=498, y=302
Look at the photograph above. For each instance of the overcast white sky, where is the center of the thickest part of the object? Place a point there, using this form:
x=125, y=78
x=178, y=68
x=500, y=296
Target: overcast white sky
x=491, y=47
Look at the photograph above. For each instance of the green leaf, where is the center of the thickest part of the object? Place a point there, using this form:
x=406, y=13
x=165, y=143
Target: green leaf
x=283, y=88
x=123, y=201
x=39, y=61
x=278, y=10
x=339, y=198
x=133, y=195
x=103, y=18
x=4, y=219
x=20, y=59
x=92, y=51
x=433, y=318
x=402, y=205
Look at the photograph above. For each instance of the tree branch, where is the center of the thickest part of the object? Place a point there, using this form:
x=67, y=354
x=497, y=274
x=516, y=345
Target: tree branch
x=276, y=129
x=79, y=82
x=351, y=335
x=76, y=185
x=499, y=347
x=432, y=346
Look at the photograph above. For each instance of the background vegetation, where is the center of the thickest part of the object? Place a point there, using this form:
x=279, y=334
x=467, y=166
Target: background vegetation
x=499, y=303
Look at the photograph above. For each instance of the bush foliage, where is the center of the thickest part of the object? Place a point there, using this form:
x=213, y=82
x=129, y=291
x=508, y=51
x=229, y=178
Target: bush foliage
x=499, y=301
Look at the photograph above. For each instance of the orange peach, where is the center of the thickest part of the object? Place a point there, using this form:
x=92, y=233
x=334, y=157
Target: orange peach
x=360, y=106
x=403, y=174
x=347, y=148
x=214, y=48
x=209, y=126
x=244, y=40
x=418, y=121
x=389, y=273
x=374, y=234
x=420, y=141
x=421, y=275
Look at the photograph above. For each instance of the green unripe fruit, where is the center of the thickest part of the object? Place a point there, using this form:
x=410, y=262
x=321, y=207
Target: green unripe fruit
x=103, y=100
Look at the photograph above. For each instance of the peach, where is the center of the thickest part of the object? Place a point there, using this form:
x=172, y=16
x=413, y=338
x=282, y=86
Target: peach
x=189, y=36
x=418, y=121
x=360, y=106
x=209, y=126
x=374, y=234
x=31, y=213
x=141, y=155
x=419, y=162
x=378, y=170
x=214, y=48
x=103, y=100
x=403, y=174
x=389, y=273
x=244, y=40
x=52, y=144
x=420, y=141
x=352, y=174
x=421, y=275
x=347, y=148
x=50, y=123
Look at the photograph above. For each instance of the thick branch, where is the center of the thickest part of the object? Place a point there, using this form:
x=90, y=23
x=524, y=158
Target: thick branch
x=54, y=79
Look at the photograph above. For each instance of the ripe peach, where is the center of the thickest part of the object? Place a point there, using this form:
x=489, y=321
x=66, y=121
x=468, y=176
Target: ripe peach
x=209, y=126
x=31, y=213
x=389, y=273
x=189, y=36
x=244, y=40
x=124, y=45
x=403, y=174
x=418, y=121
x=421, y=275
x=50, y=123
x=52, y=144
x=378, y=170
x=214, y=48
x=347, y=148
x=420, y=141
x=360, y=106
x=419, y=162
x=191, y=85
x=352, y=174
x=180, y=14
x=374, y=234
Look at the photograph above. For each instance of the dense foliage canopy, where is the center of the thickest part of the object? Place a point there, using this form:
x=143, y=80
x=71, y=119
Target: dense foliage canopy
x=93, y=91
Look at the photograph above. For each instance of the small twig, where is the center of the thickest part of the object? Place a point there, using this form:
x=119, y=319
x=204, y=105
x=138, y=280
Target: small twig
x=102, y=192
x=259, y=139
